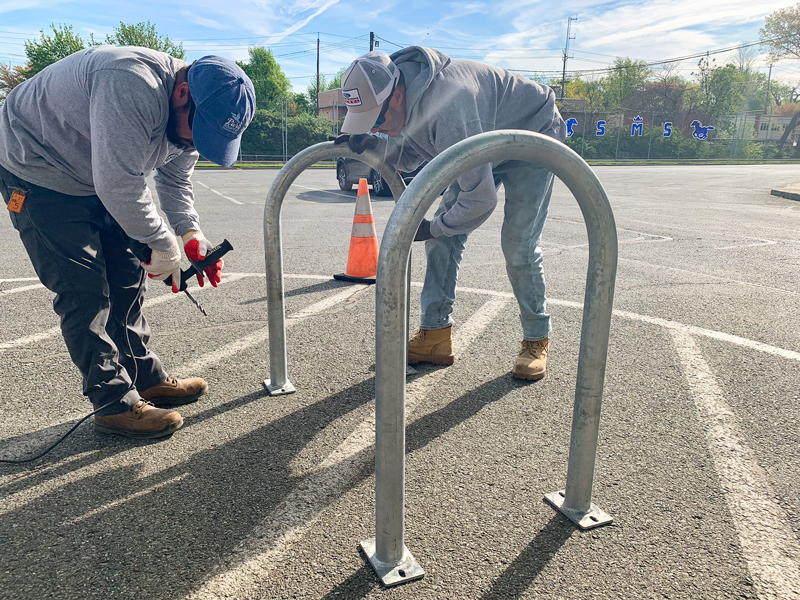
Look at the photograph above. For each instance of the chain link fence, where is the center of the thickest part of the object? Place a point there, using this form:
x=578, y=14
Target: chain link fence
x=637, y=135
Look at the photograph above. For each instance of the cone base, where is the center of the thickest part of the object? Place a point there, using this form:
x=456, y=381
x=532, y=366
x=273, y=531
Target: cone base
x=350, y=278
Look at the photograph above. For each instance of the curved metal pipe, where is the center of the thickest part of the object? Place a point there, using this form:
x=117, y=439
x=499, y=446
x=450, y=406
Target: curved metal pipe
x=390, y=327
x=279, y=383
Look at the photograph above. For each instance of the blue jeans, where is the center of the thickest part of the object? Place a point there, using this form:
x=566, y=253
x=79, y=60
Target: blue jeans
x=527, y=189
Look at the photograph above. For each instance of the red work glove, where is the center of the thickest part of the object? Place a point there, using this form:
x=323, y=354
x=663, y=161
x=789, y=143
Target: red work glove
x=196, y=247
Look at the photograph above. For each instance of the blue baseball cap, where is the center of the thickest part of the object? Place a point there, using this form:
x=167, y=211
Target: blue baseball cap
x=225, y=102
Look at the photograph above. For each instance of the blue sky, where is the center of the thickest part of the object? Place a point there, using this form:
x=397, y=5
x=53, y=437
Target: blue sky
x=517, y=34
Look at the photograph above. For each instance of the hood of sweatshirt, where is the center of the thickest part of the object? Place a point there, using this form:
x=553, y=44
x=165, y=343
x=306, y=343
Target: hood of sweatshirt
x=419, y=66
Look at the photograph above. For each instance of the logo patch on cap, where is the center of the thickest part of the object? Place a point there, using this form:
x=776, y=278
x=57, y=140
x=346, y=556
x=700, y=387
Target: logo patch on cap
x=234, y=124
x=351, y=97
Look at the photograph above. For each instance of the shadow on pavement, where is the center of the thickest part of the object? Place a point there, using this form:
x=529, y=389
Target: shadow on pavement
x=127, y=529
x=358, y=585
x=338, y=197
x=328, y=285
x=328, y=197
x=519, y=575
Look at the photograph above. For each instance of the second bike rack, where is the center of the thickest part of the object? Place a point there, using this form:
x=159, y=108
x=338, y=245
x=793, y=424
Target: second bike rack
x=387, y=552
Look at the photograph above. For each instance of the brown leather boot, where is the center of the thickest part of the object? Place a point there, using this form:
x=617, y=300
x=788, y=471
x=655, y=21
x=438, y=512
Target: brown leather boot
x=532, y=360
x=171, y=391
x=144, y=421
x=432, y=345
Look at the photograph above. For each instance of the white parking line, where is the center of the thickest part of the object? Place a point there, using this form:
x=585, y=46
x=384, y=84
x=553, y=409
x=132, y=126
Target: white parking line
x=220, y=194
x=768, y=543
x=19, y=279
x=38, y=337
x=24, y=288
x=753, y=245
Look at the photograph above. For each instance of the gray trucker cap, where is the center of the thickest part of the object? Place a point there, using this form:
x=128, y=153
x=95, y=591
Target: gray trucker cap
x=366, y=85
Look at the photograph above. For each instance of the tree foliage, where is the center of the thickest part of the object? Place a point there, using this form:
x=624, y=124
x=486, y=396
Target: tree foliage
x=144, y=34
x=264, y=136
x=721, y=89
x=269, y=81
x=48, y=48
x=626, y=78
x=10, y=77
x=781, y=33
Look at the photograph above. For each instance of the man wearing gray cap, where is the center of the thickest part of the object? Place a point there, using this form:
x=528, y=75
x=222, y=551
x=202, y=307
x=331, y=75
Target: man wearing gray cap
x=77, y=142
x=426, y=102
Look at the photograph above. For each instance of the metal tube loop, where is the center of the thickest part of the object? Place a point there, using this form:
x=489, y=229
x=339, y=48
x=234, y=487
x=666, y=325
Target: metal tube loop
x=279, y=383
x=391, y=310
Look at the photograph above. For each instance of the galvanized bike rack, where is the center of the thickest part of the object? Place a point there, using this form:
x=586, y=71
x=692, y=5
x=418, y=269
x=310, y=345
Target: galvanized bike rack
x=387, y=552
x=279, y=383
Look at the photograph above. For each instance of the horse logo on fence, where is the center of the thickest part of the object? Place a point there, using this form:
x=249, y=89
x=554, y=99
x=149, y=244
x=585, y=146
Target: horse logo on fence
x=570, y=124
x=700, y=132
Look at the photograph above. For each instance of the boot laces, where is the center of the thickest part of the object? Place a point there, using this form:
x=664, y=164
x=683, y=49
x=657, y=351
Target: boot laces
x=139, y=407
x=418, y=336
x=534, y=347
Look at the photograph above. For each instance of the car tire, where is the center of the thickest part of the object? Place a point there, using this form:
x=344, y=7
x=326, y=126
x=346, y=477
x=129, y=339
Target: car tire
x=379, y=186
x=341, y=176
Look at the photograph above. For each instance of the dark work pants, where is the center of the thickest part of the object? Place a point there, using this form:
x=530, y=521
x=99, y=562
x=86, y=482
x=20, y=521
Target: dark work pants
x=81, y=254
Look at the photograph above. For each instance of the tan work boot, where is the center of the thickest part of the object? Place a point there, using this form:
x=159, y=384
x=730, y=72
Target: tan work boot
x=144, y=421
x=173, y=391
x=432, y=345
x=532, y=360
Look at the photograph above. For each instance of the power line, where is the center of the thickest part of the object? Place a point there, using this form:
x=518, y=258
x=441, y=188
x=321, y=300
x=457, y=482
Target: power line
x=639, y=64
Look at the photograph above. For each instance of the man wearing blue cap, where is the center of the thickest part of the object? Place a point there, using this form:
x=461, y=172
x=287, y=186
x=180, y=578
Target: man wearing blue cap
x=77, y=142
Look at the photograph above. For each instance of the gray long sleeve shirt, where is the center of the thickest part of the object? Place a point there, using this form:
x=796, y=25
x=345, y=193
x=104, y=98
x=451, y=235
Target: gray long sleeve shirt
x=94, y=123
x=449, y=100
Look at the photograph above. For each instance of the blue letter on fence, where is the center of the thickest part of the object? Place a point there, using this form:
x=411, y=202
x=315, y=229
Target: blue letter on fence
x=570, y=124
x=667, y=129
x=601, y=128
x=637, y=126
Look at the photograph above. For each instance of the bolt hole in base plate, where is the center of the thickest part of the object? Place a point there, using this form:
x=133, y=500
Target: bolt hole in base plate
x=393, y=574
x=590, y=519
x=275, y=390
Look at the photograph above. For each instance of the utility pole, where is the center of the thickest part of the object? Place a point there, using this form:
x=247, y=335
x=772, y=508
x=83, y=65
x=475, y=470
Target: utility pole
x=317, y=112
x=371, y=40
x=566, y=52
x=768, y=104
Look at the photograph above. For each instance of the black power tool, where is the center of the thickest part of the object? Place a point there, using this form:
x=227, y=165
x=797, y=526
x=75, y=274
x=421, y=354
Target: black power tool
x=144, y=254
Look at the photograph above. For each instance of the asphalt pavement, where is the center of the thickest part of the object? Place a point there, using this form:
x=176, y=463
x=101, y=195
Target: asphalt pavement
x=269, y=497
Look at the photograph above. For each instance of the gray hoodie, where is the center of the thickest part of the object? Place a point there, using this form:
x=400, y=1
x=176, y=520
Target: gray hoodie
x=94, y=123
x=449, y=100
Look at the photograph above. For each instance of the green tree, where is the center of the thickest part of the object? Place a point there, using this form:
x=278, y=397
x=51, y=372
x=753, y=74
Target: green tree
x=589, y=90
x=269, y=81
x=626, y=78
x=781, y=33
x=144, y=34
x=49, y=49
x=721, y=89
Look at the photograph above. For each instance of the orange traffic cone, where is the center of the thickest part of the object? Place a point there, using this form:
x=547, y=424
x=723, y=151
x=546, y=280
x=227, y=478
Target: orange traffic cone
x=362, y=260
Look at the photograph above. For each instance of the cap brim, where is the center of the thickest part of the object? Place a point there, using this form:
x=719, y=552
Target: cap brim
x=360, y=122
x=217, y=148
